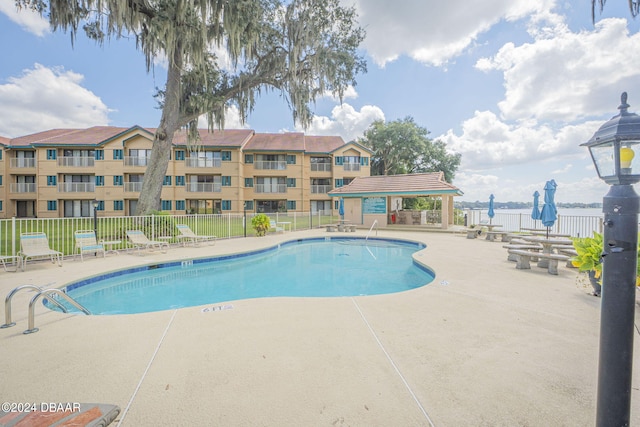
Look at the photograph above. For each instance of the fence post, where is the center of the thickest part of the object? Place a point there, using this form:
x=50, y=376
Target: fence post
x=13, y=235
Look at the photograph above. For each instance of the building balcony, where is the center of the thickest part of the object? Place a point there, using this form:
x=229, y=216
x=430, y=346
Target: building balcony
x=136, y=161
x=320, y=189
x=352, y=167
x=270, y=165
x=320, y=167
x=132, y=187
x=197, y=162
x=23, y=163
x=77, y=162
x=270, y=188
x=22, y=187
x=76, y=187
x=203, y=187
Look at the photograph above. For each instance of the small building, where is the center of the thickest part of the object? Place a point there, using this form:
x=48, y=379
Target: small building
x=370, y=198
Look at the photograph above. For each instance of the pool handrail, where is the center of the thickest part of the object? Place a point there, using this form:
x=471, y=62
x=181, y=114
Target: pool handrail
x=49, y=292
x=7, y=304
x=375, y=224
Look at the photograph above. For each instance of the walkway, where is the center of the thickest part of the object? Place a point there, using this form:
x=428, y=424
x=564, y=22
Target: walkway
x=484, y=344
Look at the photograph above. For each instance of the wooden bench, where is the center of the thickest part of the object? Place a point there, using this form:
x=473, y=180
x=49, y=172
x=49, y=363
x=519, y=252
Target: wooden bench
x=524, y=258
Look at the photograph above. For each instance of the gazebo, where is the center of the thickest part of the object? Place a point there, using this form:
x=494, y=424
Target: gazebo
x=371, y=198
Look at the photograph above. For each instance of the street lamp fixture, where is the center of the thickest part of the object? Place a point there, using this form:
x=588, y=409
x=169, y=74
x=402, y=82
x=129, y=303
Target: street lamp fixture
x=615, y=150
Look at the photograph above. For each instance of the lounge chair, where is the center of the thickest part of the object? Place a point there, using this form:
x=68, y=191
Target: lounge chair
x=187, y=235
x=7, y=258
x=274, y=226
x=139, y=241
x=86, y=242
x=36, y=245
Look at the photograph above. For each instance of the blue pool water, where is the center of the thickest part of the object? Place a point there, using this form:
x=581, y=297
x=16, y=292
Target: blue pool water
x=303, y=268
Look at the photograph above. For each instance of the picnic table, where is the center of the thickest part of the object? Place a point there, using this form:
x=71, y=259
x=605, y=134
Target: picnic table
x=547, y=246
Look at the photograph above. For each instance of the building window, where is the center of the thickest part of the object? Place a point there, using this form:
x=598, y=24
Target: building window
x=291, y=182
x=248, y=159
x=0, y=154
x=52, y=154
x=291, y=205
x=0, y=205
x=339, y=160
x=167, y=180
x=99, y=181
x=226, y=156
x=180, y=180
x=99, y=154
x=180, y=205
x=291, y=159
x=166, y=205
x=118, y=205
x=364, y=161
x=118, y=180
x=226, y=205
x=52, y=180
x=179, y=154
x=100, y=206
x=339, y=183
x=118, y=154
x=0, y=180
x=226, y=181
x=248, y=182
x=248, y=205
x=52, y=205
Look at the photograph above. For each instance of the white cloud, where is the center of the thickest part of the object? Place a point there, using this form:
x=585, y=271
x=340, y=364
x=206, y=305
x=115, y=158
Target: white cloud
x=566, y=76
x=434, y=32
x=47, y=98
x=25, y=18
x=345, y=121
x=231, y=119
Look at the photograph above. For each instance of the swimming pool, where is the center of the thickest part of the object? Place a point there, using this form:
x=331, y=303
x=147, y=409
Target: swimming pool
x=328, y=267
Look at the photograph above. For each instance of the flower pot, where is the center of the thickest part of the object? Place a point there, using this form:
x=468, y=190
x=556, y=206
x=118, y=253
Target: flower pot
x=595, y=283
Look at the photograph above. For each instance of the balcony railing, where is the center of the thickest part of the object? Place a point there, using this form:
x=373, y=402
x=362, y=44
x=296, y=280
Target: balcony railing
x=76, y=187
x=23, y=162
x=271, y=188
x=351, y=166
x=136, y=161
x=270, y=165
x=204, y=187
x=196, y=162
x=77, y=162
x=23, y=187
x=320, y=189
x=132, y=187
x=320, y=167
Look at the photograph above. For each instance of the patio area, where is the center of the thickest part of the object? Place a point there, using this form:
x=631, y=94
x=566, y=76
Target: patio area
x=483, y=344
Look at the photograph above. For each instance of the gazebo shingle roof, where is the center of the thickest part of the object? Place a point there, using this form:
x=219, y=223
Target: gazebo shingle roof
x=410, y=184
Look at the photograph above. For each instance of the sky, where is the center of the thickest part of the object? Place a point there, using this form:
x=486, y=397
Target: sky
x=514, y=86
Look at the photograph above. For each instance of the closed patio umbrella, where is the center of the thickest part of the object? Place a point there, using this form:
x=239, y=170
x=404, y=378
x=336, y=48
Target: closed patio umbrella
x=549, y=211
x=491, y=213
x=341, y=208
x=535, y=213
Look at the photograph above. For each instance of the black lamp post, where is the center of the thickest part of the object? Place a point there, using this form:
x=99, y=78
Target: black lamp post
x=245, y=218
x=613, y=149
x=95, y=217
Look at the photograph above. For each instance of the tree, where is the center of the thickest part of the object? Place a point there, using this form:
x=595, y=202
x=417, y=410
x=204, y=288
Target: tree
x=402, y=147
x=634, y=7
x=301, y=48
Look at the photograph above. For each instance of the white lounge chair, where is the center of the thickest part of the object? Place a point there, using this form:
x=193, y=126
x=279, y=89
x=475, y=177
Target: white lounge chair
x=274, y=226
x=36, y=245
x=86, y=242
x=8, y=258
x=139, y=241
x=187, y=235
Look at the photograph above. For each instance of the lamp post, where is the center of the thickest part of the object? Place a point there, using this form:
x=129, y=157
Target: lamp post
x=95, y=217
x=245, y=218
x=612, y=149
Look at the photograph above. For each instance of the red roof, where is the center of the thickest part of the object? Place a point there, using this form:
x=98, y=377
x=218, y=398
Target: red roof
x=410, y=184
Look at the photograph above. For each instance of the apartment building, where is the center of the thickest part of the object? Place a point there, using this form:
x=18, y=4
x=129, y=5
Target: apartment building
x=60, y=172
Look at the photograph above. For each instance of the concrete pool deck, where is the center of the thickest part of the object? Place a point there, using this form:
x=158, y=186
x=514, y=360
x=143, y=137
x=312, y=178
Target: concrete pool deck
x=483, y=345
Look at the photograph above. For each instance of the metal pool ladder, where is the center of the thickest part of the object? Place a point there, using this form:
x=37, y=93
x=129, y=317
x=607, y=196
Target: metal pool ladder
x=50, y=292
x=375, y=224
